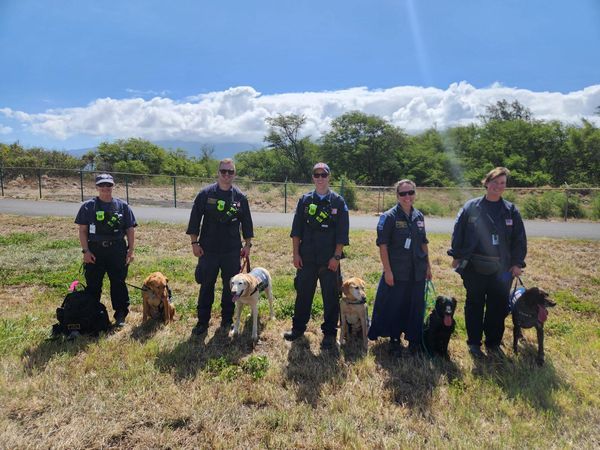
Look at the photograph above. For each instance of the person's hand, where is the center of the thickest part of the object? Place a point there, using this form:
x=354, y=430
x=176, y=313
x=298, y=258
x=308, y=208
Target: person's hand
x=428, y=275
x=245, y=251
x=297, y=261
x=333, y=264
x=197, y=250
x=388, y=276
x=89, y=258
x=455, y=263
x=516, y=271
x=129, y=256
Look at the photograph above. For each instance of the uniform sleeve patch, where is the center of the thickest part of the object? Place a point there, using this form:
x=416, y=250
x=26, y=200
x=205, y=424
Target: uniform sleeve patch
x=381, y=223
x=420, y=223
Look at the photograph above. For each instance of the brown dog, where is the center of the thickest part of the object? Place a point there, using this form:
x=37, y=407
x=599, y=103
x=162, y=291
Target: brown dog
x=353, y=310
x=156, y=296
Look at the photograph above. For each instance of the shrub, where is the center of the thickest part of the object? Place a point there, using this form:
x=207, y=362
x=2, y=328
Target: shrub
x=570, y=203
x=430, y=207
x=538, y=207
x=596, y=207
x=348, y=191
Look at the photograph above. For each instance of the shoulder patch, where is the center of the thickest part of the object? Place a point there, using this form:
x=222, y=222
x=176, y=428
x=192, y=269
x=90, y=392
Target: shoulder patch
x=381, y=222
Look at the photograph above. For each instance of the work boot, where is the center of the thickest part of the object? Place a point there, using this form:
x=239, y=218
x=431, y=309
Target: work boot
x=329, y=341
x=292, y=335
x=200, y=329
x=120, y=318
x=475, y=351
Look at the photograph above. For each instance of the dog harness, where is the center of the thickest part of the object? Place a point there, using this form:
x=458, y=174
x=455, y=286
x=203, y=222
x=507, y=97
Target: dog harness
x=263, y=279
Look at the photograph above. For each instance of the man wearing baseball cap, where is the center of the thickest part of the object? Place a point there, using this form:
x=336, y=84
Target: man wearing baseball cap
x=104, y=223
x=319, y=233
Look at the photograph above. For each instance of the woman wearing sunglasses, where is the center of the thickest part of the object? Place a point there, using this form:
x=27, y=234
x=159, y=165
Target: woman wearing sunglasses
x=104, y=223
x=402, y=243
x=219, y=212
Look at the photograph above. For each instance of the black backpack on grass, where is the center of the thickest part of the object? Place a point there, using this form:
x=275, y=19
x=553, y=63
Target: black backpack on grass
x=80, y=312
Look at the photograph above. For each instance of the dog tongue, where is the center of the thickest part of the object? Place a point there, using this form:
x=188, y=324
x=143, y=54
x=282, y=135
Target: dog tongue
x=448, y=320
x=235, y=297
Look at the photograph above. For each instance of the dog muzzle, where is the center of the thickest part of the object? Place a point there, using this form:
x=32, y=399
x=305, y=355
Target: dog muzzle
x=235, y=298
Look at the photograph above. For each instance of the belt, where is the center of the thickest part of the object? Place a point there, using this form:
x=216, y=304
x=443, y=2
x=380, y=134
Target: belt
x=106, y=244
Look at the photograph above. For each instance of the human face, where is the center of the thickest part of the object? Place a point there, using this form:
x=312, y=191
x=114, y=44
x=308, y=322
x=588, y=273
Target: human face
x=226, y=174
x=105, y=190
x=321, y=181
x=496, y=187
x=406, y=196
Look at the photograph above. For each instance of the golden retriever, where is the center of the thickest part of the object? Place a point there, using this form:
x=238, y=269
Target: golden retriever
x=246, y=289
x=353, y=310
x=156, y=296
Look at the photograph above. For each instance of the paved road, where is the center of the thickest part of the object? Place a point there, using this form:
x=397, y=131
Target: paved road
x=571, y=230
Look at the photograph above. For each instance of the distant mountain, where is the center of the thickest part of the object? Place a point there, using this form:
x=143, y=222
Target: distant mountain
x=222, y=149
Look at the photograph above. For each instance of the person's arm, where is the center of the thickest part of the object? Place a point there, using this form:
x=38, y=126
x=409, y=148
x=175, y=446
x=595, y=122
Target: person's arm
x=388, y=275
x=193, y=229
x=458, y=238
x=425, y=248
x=334, y=261
x=88, y=256
x=518, y=245
x=247, y=228
x=296, y=258
x=130, y=233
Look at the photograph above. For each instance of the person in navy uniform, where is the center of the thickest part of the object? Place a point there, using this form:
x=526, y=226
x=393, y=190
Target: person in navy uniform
x=488, y=248
x=104, y=223
x=399, y=302
x=319, y=233
x=220, y=210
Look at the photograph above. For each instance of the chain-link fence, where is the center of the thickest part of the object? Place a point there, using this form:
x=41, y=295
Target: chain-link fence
x=180, y=191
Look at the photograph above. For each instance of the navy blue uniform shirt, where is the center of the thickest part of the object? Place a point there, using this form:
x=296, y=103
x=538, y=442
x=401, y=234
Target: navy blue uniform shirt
x=97, y=215
x=321, y=224
x=408, y=261
x=217, y=217
x=476, y=224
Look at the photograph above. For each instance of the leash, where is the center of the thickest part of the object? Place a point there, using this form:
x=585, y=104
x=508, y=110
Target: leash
x=144, y=288
x=245, y=264
x=429, y=294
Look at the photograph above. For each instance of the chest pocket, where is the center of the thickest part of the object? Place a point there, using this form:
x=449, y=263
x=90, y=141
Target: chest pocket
x=223, y=211
x=319, y=215
x=108, y=223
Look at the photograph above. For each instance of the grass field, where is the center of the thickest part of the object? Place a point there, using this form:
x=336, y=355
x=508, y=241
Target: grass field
x=151, y=386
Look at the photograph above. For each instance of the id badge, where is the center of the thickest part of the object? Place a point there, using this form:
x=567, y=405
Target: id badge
x=407, y=243
x=495, y=239
x=92, y=228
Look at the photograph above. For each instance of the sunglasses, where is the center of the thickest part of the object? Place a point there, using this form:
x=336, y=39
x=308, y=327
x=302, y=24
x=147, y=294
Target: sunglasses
x=227, y=171
x=405, y=193
x=320, y=175
x=104, y=185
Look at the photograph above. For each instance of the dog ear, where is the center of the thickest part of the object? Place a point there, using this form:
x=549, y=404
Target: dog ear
x=346, y=288
x=454, y=302
x=252, y=283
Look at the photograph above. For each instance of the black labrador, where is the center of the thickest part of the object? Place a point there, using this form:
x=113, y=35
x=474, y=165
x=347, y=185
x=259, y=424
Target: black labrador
x=530, y=310
x=440, y=326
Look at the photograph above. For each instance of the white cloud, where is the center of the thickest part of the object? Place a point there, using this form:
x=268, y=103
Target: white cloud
x=5, y=130
x=237, y=114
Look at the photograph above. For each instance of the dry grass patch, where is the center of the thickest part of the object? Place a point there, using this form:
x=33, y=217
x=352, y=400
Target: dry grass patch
x=155, y=386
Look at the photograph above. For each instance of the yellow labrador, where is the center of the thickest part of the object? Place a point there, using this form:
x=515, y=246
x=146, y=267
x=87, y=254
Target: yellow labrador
x=353, y=310
x=246, y=289
x=155, y=296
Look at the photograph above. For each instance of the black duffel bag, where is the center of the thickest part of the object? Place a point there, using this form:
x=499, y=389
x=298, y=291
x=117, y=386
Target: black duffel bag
x=485, y=265
x=80, y=313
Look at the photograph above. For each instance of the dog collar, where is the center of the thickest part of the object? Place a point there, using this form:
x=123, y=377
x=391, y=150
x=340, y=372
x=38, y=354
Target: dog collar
x=356, y=302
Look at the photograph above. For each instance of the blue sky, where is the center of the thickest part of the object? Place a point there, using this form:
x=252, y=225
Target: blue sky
x=75, y=73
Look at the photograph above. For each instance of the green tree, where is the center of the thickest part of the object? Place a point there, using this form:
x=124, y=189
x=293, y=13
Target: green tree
x=284, y=137
x=365, y=148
